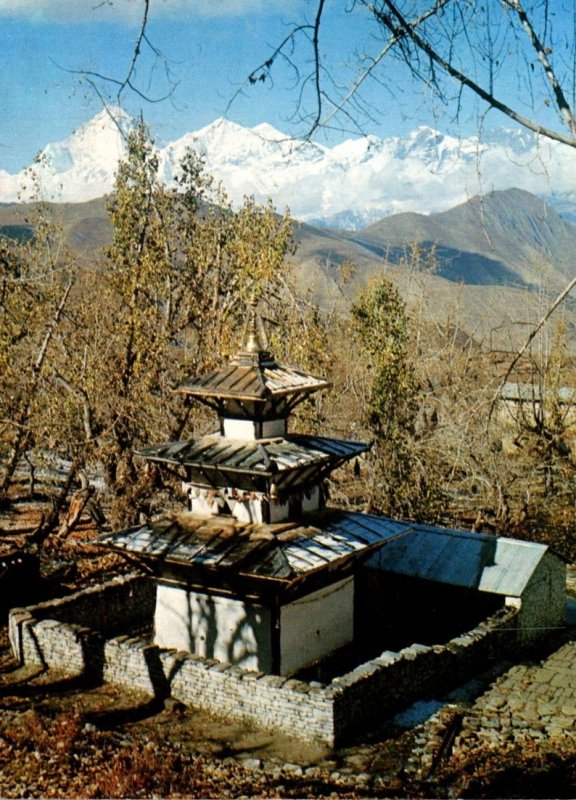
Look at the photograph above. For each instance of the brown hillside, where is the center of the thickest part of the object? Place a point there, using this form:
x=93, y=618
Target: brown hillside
x=498, y=260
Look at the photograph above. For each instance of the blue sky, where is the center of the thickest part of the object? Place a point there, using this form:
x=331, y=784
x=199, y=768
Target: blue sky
x=210, y=45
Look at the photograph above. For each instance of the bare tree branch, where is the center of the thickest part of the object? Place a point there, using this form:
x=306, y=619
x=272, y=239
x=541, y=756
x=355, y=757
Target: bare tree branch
x=317, y=86
x=81, y=396
x=376, y=61
x=137, y=48
x=551, y=309
x=47, y=524
x=561, y=102
x=128, y=82
x=22, y=417
x=264, y=70
x=398, y=25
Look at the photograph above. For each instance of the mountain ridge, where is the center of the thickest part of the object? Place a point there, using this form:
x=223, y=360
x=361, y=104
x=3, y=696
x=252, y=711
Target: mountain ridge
x=473, y=265
x=353, y=183
x=517, y=232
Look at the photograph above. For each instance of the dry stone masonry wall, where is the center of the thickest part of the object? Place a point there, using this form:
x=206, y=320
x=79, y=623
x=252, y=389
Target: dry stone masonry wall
x=56, y=635
x=68, y=633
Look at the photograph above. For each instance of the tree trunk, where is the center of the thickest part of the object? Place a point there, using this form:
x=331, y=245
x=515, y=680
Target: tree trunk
x=48, y=524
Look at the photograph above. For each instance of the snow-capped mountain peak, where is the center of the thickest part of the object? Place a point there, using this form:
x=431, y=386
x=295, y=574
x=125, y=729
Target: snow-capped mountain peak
x=269, y=132
x=101, y=141
x=78, y=168
x=354, y=182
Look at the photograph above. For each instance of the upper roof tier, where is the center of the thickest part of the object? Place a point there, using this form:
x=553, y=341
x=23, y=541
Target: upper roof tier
x=253, y=384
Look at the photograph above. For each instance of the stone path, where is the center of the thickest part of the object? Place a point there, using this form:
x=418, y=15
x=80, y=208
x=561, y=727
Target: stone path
x=530, y=700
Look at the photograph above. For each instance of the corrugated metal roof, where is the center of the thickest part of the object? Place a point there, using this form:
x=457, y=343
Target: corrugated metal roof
x=289, y=550
x=514, y=565
x=265, y=456
x=472, y=560
x=531, y=392
x=257, y=381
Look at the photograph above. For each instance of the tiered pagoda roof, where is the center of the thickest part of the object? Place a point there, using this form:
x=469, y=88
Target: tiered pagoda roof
x=252, y=394
x=253, y=384
x=289, y=463
x=256, y=382
x=254, y=387
x=285, y=557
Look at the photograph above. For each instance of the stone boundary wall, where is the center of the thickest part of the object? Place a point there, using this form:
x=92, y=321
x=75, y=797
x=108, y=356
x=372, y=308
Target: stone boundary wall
x=312, y=711
x=68, y=633
x=270, y=701
x=394, y=680
x=332, y=713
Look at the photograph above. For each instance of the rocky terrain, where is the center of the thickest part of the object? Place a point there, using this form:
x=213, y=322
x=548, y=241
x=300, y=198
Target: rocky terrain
x=60, y=740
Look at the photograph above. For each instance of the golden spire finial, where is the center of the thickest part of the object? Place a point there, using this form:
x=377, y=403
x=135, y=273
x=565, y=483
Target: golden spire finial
x=254, y=352
x=253, y=344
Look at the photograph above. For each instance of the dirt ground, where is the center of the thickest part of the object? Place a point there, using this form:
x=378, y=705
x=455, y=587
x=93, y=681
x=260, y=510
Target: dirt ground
x=59, y=738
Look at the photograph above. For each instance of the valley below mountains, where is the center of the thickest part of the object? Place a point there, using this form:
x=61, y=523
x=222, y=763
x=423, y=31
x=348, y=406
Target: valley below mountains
x=488, y=267
x=413, y=208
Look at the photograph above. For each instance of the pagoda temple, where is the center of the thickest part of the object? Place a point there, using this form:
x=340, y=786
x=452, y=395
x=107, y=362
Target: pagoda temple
x=257, y=571
x=260, y=573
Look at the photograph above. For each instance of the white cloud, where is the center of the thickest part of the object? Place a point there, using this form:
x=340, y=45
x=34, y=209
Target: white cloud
x=129, y=11
x=215, y=8
x=64, y=11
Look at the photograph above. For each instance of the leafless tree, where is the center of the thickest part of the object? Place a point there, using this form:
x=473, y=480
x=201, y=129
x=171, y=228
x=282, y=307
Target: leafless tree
x=452, y=47
x=146, y=60
x=517, y=57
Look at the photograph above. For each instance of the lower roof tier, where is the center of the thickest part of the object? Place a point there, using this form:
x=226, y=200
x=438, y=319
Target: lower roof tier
x=280, y=465
x=275, y=559
x=225, y=553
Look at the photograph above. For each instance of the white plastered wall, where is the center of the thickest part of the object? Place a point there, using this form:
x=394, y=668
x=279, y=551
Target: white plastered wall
x=316, y=625
x=223, y=628
x=311, y=499
x=245, y=429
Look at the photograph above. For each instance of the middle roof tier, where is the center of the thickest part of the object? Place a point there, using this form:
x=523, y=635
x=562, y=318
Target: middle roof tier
x=282, y=465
